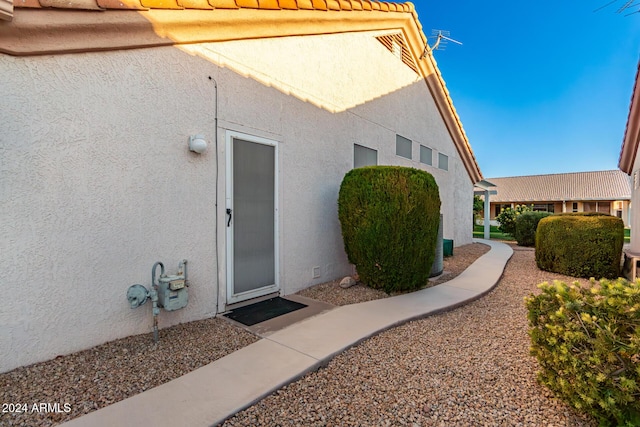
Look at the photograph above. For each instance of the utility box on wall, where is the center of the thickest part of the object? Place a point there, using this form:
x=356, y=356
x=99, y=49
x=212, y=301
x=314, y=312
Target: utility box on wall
x=447, y=247
x=172, y=292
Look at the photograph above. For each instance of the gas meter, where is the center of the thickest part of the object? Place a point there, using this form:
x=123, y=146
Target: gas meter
x=170, y=292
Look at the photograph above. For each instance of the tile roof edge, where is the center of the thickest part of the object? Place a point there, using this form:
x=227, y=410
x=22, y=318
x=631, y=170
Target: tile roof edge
x=320, y=5
x=553, y=174
x=631, y=139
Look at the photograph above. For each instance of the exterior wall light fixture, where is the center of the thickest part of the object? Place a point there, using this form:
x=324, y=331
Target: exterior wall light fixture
x=197, y=144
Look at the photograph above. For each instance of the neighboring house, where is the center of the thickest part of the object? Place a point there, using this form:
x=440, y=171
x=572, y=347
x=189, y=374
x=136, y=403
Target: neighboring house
x=599, y=191
x=630, y=162
x=100, y=99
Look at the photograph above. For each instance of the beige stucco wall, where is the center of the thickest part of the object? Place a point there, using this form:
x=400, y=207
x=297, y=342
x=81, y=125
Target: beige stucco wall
x=634, y=245
x=97, y=184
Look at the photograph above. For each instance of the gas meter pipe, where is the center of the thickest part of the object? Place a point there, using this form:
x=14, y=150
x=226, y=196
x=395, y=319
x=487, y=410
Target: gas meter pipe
x=154, y=298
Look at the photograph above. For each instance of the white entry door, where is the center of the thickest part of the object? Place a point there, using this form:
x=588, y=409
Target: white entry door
x=251, y=217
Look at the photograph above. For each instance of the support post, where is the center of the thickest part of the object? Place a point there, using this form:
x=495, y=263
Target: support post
x=487, y=215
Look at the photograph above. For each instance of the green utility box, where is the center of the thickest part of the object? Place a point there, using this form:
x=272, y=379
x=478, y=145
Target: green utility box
x=447, y=247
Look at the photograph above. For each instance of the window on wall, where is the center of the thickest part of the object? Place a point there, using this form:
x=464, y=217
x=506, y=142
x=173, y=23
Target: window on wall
x=547, y=207
x=403, y=147
x=443, y=161
x=426, y=155
x=604, y=207
x=364, y=156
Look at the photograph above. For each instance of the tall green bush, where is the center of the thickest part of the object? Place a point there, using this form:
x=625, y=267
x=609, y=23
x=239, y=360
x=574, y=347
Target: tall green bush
x=389, y=217
x=587, y=342
x=580, y=244
x=507, y=218
x=526, y=225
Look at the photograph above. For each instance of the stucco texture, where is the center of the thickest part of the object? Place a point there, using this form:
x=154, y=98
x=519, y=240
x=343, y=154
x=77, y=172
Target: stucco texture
x=97, y=183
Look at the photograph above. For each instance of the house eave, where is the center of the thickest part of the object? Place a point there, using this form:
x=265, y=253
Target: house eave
x=42, y=31
x=631, y=138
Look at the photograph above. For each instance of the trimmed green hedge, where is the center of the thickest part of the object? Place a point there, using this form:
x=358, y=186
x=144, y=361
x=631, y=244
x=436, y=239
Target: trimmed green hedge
x=526, y=225
x=389, y=217
x=580, y=244
x=587, y=342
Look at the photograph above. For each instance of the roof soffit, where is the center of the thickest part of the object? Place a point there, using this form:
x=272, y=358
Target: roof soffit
x=631, y=138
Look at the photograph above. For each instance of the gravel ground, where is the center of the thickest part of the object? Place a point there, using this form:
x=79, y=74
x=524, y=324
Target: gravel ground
x=94, y=378
x=467, y=367
x=332, y=293
x=111, y=372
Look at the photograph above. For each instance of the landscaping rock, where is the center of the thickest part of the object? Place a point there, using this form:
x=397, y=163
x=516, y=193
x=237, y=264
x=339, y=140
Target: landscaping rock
x=347, y=282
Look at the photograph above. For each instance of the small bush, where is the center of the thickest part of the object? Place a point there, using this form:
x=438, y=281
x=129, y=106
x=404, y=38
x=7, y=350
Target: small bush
x=587, y=342
x=526, y=225
x=580, y=244
x=389, y=217
x=507, y=218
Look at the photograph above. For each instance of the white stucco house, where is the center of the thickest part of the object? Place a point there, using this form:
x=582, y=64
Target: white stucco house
x=630, y=163
x=100, y=99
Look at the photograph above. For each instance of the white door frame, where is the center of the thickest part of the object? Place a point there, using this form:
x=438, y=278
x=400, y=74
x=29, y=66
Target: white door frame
x=231, y=296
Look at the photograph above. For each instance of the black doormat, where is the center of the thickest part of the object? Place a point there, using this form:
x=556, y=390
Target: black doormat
x=249, y=315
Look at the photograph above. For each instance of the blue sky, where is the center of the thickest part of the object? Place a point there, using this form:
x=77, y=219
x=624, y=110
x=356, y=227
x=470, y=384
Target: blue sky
x=541, y=87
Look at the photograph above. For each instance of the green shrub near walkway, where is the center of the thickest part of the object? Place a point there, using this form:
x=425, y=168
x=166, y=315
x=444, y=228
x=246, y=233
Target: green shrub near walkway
x=389, y=217
x=526, y=225
x=580, y=244
x=587, y=342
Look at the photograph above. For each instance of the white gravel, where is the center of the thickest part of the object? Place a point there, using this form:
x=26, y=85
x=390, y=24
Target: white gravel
x=467, y=367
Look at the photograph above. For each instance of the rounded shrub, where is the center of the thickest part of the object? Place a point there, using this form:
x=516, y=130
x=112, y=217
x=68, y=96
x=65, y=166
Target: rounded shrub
x=526, y=225
x=507, y=218
x=580, y=244
x=587, y=342
x=389, y=217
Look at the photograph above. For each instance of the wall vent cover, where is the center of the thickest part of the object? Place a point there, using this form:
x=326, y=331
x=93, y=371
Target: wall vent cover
x=396, y=45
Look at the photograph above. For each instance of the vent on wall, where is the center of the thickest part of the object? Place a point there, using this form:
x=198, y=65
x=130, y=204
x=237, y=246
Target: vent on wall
x=396, y=45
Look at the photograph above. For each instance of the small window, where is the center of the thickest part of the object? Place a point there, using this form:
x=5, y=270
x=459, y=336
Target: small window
x=443, y=161
x=604, y=207
x=363, y=156
x=403, y=147
x=546, y=207
x=426, y=155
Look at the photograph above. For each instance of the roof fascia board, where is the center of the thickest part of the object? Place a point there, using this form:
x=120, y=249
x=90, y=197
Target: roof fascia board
x=53, y=31
x=6, y=10
x=631, y=138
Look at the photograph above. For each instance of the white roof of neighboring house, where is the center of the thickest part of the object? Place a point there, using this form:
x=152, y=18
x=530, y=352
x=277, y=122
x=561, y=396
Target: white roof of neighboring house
x=598, y=185
x=39, y=27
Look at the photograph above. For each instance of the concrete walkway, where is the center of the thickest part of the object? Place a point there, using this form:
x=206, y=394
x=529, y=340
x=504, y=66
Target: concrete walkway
x=213, y=393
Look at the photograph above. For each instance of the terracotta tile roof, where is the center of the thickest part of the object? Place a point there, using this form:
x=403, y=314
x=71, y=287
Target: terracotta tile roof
x=351, y=5
x=599, y=185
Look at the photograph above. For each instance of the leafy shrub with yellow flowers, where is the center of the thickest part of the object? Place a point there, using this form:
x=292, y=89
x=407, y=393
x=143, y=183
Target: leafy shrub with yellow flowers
x=587, y=342
x=507, y=218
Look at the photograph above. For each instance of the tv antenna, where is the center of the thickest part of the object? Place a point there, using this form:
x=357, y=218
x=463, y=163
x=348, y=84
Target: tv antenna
x=442, y=38
x=628, y=4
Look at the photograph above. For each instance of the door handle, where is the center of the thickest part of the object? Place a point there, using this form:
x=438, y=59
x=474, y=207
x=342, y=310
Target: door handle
x=230, y=216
